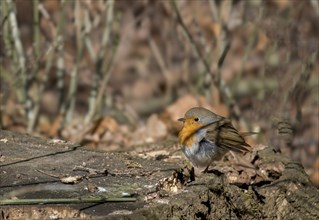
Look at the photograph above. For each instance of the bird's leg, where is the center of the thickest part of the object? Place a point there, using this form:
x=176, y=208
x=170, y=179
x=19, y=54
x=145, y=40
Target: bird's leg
x=211, y=165
x=191, y=174
x=206, y=169
x=187, y=165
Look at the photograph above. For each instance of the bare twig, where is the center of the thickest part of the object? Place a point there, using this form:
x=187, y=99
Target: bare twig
x=5, y=28
x=161, y=63
x=71, y=97
x=87, y=29
x=49, y=54
x=91, y=171
x=219, y=83
x=191, y=39
x=33, y=112
x=22, y=79
x=214, y=10
x=65, y=200
x=49, y=174
x=96, y=96
x=60, y=58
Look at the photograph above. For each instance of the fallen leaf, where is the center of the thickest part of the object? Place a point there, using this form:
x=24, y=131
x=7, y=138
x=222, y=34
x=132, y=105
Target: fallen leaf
x=155, y=128
x=71, y=179
x=132, y=164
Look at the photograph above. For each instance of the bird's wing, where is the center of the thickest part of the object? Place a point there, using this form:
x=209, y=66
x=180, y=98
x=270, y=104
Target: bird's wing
x=226, y=136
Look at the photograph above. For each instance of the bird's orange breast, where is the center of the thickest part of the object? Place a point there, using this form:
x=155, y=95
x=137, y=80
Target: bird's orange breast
x=187, y=136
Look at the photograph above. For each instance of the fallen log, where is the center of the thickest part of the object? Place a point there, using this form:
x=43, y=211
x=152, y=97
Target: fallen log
x=64, y=180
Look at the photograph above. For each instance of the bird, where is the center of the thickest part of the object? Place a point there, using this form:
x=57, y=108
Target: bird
x=206, y=137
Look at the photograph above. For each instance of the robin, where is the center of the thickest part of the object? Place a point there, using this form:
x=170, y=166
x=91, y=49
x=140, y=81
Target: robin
x=207, y=137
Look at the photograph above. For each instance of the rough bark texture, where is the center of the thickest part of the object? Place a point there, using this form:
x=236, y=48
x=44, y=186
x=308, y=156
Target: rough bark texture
x=32, y=167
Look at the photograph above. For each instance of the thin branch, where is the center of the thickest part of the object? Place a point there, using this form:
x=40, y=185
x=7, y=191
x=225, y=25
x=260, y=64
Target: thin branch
x=49, y=54
x=96, y=96
x=219, y=83
x=33, y=112
x=65, y=200
x=60, y=57
x=191, y=39
x=223, y=55
x=22, y=79
x=161, y=63
x=71, y=97
x=213, y=8
x=87, y=30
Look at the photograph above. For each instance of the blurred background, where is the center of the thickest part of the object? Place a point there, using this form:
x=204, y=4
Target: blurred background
x=117, y=74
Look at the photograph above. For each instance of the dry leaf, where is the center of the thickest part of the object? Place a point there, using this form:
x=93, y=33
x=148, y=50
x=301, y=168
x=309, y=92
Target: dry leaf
x=171, y=184
x=56, y=125
x=281, y=4
x=262, y=42
x=71, y=179
x=314, y=177
x=178, y=109
x=155, y=128
x=132, y=164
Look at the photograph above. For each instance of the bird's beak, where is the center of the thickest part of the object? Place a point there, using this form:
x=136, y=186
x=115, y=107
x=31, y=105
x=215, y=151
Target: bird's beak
x=181, y=119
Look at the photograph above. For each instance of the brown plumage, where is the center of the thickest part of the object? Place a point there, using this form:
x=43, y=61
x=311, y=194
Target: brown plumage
x=227, y=137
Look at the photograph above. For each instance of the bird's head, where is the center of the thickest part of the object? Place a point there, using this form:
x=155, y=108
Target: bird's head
x=195, y=119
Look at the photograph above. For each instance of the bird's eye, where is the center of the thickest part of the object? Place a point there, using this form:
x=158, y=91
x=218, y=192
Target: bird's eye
x=196, y=119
